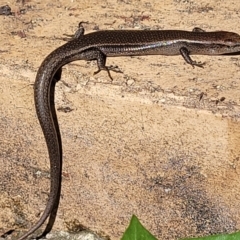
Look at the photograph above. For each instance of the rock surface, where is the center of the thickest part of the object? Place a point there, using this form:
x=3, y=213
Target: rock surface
x=160, y=141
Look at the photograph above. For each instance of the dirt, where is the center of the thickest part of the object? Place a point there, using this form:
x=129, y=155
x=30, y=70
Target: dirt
x=160, y=141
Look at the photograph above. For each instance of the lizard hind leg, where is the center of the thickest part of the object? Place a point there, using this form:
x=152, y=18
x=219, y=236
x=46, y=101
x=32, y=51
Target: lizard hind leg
x=96, y=54
x=80, y=30
x=108, y=69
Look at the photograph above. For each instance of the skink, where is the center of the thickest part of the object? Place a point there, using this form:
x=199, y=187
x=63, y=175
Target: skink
x=99, y=45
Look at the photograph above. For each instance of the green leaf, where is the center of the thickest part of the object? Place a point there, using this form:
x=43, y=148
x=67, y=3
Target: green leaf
x=136, y=231
x=233, y=236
